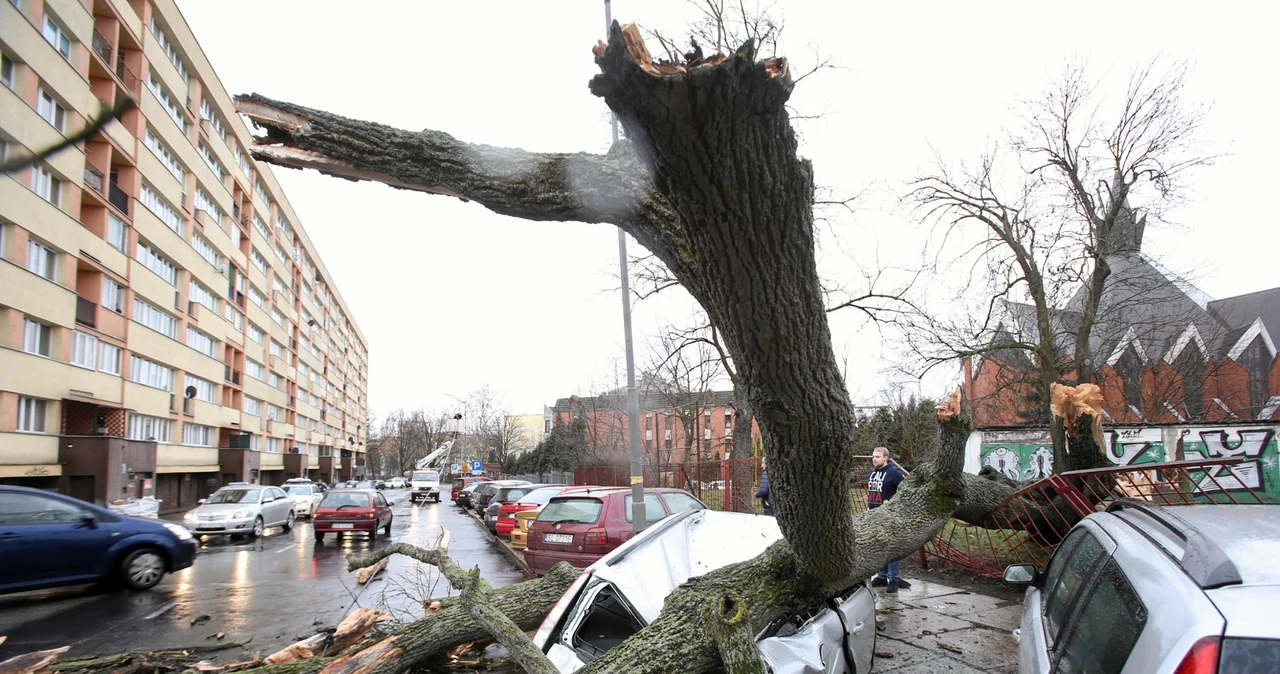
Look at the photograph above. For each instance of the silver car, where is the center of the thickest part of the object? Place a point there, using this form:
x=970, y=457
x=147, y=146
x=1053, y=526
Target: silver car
x=306, y=498
x=1151, y=589
x=625, y=590
x=249, y=510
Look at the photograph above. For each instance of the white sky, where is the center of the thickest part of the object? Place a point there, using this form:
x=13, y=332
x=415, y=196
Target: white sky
x=451, y=296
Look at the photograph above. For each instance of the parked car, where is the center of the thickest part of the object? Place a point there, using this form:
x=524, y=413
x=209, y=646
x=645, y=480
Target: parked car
x=306, y=497
x=351, y=510
x=239, y=510
x=621, y=593
x=580, y=527
x=480, y=499
x=505, y=521
x=465, y=495
x=397, y=483
x=460, y=482
x=1146, y=588
x=503, y=496
x=50, y=540
x=425, y=485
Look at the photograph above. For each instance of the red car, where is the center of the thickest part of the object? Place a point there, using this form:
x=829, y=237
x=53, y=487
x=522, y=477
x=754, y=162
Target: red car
x=459, y=483
x=580, y=527
x=506, y=522
x=352, y=510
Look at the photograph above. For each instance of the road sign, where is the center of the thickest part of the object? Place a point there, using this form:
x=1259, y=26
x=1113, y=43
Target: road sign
x=475, y=465
x=477, y=472
x=454, y=468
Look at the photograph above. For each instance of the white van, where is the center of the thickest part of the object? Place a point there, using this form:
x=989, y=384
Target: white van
x=425, y=484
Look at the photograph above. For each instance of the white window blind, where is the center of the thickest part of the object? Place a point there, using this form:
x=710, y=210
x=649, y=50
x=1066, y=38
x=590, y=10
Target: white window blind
x=142, y=427
x=205, y=390
x=148, y=373
x=36, y=337
x=153, y=260
x=31, y=414
x=197, y=435
x=169, y=215
x=151, y=316
x=109, y=360
x=202, y=342
x=84, y=350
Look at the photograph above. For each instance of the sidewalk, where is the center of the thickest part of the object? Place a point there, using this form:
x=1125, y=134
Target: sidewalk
x=935, y=628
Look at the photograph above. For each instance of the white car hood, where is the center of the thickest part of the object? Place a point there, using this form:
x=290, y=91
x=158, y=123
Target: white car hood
x=648, y=567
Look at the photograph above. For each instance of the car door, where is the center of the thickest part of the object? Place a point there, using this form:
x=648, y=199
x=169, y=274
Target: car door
x=383, y=510
x=281, y=506
x=1051, y=608
x=44, y=538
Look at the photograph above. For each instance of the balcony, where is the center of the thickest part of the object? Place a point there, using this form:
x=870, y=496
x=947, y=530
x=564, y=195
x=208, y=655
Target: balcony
x=86, y=312
x=101, y=46
x=231, y=375
x=93, y=178
x=118, y=198
x=126, y=75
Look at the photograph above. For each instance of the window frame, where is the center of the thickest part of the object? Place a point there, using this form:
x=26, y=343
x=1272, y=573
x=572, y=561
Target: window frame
x=80, y=343
x=59, y=35
x=46, y=185
x=1082, y=602
x=1073, y=603
x=38, y=411
x=43, y=339
x=51, y=109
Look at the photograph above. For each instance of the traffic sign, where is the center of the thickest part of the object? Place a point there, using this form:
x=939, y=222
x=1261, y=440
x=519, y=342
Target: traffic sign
x=475, y=465
x=454, y=468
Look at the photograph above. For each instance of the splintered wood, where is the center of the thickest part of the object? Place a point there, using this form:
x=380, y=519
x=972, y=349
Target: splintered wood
x=366, y=660
x=1073, y=402
x=776, y=67
x=367, y=573
x=351, y=629
x=32, y=663
x=951, y=408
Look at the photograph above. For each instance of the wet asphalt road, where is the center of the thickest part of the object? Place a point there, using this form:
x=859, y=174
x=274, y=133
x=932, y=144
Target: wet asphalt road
x=270, y=592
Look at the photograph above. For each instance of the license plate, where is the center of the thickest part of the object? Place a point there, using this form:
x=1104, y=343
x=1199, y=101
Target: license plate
x=200, y=527
x=343, y=525
x=557, y=538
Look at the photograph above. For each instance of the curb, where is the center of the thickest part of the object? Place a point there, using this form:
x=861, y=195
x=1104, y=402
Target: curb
x=510, y=552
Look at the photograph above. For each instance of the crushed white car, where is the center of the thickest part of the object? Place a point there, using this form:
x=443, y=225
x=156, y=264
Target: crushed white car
x=624, y=591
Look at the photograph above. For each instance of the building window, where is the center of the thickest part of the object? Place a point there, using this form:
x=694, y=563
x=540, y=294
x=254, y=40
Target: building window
x=258, y=261
x=252, y=406
x=109, y=361
x=31, y=414
x=84, y=350
x=254, y=369
x=157, y=263
x=142, y=427
x=117, y=234
x=277, y=349
x=266, y=200
x=147, y=373
x=166, y=157
x=273, y=445
x=169, y=215
x=1256, y=359
x=202, y=343
x=1129, y=367
x=196, y=292
x=275, y=380
x=215, y=122
x=261, y=226
x=111, y=295
x=256, y=333
x=44, y=183
x=149, y=315
x=51, y=110
x=56, y=36
x=205, y=390
x=36, y=338
x=197, y=435
x=7, y=70
x=274, y=413
x=167, y=102
x=256, y=297
x=41, y=260
x=166, y=45
x=1190, y=366
x=277, y=317
x=235, y=317
x=648, y=434
x=205, y=203
x=207, y=154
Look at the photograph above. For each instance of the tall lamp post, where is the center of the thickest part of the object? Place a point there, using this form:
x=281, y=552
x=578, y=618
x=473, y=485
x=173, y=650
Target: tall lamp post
x=633, y=395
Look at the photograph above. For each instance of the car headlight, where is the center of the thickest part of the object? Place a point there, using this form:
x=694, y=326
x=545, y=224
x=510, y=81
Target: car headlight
x=240, y=515
x=180, y=532
x=190, y=516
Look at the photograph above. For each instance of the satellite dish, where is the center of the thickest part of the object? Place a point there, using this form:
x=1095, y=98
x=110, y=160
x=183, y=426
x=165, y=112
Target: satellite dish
x=351, y=440
x=191, y=391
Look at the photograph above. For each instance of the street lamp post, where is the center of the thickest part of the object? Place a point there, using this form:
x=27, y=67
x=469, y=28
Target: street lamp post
x=633, y=395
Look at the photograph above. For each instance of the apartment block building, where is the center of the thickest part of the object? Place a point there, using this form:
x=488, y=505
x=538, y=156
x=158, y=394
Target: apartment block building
x=166, y=325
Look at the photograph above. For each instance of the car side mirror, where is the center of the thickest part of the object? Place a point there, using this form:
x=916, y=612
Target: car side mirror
x=88, y=520
x=268, y=499
x=1021, y=574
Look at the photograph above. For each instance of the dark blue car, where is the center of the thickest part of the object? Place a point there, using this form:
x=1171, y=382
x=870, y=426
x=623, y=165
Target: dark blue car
x=48, y=540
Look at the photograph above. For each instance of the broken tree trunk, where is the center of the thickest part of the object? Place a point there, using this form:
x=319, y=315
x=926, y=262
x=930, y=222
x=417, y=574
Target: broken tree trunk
x=711, y=183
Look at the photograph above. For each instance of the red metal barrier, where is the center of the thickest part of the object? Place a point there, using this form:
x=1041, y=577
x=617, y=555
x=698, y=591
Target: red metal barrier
x=1028, y=526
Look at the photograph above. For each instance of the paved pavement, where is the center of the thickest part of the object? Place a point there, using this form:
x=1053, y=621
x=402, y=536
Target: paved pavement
x=271, y=591
x=933, y=628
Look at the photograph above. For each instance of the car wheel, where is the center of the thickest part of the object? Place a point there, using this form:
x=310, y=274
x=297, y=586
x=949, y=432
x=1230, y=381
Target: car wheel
x=319, y=537
x=288, y=523
x=142, y=569
x=373, y=534
x=387, y=530
x=258, y=528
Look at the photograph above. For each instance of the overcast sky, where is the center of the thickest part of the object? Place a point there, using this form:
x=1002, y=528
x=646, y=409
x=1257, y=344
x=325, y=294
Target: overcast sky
x=452, y=297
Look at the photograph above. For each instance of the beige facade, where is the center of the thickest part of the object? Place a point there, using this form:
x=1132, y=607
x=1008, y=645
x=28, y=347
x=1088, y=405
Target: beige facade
x=166, y=325
x=532, y=430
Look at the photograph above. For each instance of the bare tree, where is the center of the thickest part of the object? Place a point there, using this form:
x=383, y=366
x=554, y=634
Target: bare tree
x=1043, y=219
x=717, y=191
x=408, y=435
x=683, y=372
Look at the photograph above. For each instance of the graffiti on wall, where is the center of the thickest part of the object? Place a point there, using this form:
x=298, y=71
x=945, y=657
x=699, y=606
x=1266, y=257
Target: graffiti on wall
x=1028, y=455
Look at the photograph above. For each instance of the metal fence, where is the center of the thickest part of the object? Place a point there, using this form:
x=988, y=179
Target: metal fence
x=1028, y=526
x=543, y=478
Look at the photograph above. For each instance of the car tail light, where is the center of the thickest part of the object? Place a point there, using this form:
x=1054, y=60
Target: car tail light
x=1201, y=659
x=596, y=536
